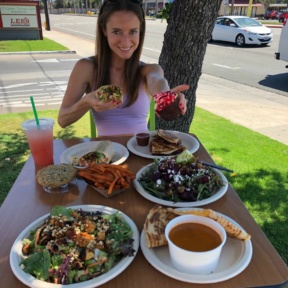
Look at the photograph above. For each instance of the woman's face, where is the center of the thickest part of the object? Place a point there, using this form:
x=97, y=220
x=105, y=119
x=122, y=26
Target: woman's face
x=123, y=33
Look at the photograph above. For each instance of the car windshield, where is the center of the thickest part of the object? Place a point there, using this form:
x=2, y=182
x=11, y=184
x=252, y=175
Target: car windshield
x=246, y=22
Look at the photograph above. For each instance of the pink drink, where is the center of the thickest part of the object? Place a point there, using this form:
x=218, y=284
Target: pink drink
x=40, y=139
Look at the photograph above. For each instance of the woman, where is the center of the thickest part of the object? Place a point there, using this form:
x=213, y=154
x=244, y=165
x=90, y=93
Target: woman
x=119, y=42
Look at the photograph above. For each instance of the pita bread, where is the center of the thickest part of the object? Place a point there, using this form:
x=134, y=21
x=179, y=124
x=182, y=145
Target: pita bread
x=154, y=226
x=232, y=230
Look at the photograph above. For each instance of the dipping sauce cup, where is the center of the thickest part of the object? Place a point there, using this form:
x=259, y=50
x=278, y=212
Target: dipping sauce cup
x=201, y=240
x=40, y=140
x=142, y=138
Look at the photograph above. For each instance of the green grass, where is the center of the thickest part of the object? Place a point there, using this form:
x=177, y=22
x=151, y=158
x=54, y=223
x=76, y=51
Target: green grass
x=260, y=164
x=30, y=45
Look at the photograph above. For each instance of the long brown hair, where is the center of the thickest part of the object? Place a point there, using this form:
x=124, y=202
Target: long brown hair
x=132, y=73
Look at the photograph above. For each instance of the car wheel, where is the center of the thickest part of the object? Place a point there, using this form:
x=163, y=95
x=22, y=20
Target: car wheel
x=240, y=40
x=281, y=20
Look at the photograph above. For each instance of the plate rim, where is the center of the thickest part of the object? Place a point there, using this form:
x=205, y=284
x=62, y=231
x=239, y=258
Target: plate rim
x=120, y=161
x=154, y=199
x=32, y=282
x=150, y=156
x=199, y=279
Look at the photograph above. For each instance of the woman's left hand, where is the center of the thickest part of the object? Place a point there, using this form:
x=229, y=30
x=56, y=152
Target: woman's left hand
x=182, y=99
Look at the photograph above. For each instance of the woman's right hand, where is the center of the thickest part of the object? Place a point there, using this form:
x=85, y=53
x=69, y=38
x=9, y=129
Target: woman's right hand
x=100, y=105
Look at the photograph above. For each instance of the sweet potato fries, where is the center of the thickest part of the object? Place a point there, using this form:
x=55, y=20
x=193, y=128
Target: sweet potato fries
x=107, y=176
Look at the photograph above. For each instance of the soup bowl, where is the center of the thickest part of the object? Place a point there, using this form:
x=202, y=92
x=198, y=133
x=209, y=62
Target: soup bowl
x=195, y=243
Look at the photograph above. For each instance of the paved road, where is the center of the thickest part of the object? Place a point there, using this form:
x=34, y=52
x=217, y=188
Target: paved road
x=43, y=76
x=251, y=65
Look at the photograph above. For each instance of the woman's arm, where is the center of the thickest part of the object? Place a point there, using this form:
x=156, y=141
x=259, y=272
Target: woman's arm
x=156, y=82
x=79, y=98
x=74, y=105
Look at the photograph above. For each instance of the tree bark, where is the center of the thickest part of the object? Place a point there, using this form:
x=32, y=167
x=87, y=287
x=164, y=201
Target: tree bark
x=189, y=28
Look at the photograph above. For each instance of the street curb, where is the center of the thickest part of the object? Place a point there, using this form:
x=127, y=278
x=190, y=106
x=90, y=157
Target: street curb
x=274, y=26
x=39, y=52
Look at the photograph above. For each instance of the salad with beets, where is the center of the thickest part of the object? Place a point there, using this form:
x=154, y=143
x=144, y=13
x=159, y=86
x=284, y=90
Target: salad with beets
x=180, y=179
x=75, y=245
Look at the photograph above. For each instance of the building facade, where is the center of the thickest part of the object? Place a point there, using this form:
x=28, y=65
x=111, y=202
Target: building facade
x=240, y=7
x=154, y=6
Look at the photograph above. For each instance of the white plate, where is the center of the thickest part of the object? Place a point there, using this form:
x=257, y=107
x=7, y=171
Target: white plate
x=121, y=152
x=30, y=281
x=188, y=141
x=152, y=198
x=234, y=258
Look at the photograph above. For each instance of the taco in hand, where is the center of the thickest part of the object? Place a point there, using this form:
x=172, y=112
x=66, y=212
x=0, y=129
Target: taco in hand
x=109, y=93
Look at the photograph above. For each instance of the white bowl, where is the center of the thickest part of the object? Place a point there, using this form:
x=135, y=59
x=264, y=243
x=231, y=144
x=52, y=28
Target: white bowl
x=198, y=263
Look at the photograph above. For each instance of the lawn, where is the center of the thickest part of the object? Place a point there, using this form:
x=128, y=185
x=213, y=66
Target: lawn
x=30, y=45
x=260, y=164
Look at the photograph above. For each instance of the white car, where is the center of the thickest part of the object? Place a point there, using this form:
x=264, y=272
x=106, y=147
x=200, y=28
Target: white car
x=241, y=30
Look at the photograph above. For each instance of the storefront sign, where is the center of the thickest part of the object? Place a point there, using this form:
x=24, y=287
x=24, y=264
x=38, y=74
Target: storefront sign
x=18, y=16
x=20, y=19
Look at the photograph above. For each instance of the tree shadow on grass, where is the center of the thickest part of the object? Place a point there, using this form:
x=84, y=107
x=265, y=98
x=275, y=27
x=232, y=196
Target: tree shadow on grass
x=265, y=194
x=67, y=133
x=218, y=150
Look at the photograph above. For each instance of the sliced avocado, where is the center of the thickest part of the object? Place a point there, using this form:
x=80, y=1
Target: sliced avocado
x=185, y=157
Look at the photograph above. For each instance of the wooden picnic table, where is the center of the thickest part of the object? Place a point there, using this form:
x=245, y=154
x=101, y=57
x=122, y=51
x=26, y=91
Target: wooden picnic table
x=27, y=201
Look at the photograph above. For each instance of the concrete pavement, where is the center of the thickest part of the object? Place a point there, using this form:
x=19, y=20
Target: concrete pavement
x=256, y=109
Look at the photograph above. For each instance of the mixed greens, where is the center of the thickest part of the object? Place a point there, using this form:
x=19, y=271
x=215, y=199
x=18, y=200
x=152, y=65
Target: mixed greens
x=180, y=179
x=75, y=245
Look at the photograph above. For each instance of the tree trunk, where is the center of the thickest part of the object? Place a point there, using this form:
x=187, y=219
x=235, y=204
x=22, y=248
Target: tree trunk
x=189, y=28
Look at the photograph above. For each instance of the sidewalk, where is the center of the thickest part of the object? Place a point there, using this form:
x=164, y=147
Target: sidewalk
x=256, y=109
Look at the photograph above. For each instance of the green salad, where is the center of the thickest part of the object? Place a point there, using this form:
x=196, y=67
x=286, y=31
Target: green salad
x=75, y=245
x=180, y=179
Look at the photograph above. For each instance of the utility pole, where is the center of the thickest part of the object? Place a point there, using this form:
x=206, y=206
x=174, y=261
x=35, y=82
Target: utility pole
x=225, y=2
x=249, y=10
x=232, y=7
x=145, y=7
x=47, y=26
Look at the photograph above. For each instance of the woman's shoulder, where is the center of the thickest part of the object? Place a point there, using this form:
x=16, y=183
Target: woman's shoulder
x=147, y=68
x=87, y=63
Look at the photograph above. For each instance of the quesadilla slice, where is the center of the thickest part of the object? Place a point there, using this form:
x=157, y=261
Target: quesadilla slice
x=232, y=230
x=169, y=137
x=154, y=226
x=159, y=147
x=165, y=143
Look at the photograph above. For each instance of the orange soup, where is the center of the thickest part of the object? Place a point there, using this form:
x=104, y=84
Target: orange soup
x=194, y=237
